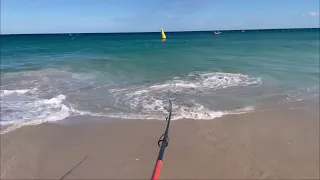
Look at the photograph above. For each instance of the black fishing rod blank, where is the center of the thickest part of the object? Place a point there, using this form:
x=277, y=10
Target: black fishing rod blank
x=162, y=143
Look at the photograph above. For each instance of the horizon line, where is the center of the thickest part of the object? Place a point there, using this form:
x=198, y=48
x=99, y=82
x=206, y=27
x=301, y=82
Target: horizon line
x=133, y=32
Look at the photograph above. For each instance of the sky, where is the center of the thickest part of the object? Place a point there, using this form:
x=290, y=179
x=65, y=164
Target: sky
x=81, y=16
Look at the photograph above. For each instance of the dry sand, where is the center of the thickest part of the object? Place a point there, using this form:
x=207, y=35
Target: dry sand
x=277, y=144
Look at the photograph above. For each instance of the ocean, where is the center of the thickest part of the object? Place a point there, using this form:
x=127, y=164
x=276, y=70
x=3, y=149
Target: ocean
x=52, y=77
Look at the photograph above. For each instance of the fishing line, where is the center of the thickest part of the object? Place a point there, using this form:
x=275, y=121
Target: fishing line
x=73, y=168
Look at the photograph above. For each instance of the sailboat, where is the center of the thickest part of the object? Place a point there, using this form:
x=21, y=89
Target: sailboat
x=163, y=35
x=217, y=32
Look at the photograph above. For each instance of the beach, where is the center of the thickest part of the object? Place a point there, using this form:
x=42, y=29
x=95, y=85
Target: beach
x=245, y=105
x=277, y=143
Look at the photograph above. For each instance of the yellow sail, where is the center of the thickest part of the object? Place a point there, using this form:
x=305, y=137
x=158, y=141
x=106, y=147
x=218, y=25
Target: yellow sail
x=163, y=35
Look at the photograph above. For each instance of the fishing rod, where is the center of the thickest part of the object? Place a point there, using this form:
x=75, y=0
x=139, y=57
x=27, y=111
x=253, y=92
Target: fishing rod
x=162, y=143
x=65, y=175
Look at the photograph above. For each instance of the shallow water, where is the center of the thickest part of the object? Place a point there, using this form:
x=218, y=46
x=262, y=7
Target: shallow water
x=131, y=76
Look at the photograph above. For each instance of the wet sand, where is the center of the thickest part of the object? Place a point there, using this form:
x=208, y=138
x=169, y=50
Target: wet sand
x=282, y=143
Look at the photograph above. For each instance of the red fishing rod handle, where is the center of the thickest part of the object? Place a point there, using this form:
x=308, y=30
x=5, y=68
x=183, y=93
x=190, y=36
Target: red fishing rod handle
x=156, y=172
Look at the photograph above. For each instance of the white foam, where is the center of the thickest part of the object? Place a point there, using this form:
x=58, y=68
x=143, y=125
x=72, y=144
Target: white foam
x=199, y=82
x=147, y=99
x=194, y=82
x=83, y=76
x=224, y=80
x=142, y=102
x=23, y=106
x=17, y=91
x=45, y=81
x=32, y=112
x=197, y=112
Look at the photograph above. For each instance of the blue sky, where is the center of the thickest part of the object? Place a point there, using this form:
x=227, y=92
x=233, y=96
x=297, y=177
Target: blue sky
x=63, y=16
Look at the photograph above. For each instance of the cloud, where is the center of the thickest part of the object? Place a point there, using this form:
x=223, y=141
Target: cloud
x=313, y=13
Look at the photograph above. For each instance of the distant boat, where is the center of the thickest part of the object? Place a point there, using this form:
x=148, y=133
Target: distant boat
x=217, y=32
x=163, y=35
x=242, y=31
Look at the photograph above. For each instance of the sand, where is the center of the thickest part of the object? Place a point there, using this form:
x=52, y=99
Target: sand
x=282, y=143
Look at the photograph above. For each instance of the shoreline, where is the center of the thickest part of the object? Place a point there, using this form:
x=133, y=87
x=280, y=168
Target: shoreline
x=306, y=102
x=276, y=144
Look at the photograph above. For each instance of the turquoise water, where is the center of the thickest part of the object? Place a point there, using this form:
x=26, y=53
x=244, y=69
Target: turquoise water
x=131, y=76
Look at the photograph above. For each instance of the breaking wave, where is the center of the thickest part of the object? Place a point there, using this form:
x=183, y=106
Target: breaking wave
x=149, y=101
x=46, y=100
x=30, y=112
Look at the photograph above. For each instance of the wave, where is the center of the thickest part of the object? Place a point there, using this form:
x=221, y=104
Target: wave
x=198, y=112
x=203, y=81
x=44, y=99
x=18, y=91
x=135, y=102
x=44, y=82
x=150, y=99
x=15, y=114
